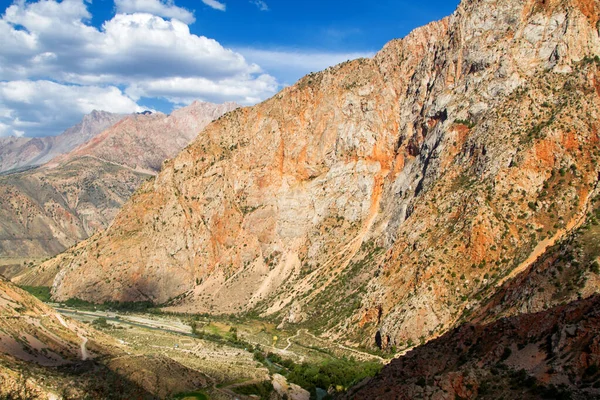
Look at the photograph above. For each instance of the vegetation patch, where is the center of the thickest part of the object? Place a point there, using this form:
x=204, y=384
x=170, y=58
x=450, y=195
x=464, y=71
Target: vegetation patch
x=338, y=374
x=41, y=292
x=134, y=306
x=262, y=389
x=191, y=396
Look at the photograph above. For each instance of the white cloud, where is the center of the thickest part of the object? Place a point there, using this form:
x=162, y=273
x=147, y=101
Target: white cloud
x=262, y=6
x=143, y=45
x=166, y=9
x=127, y=47
x=186, y=90
x=42, y=108
x=215, y=4
x=137, y=55
x=5, y=130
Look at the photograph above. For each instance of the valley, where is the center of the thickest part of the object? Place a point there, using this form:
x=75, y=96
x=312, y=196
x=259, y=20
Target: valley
x=238, y=355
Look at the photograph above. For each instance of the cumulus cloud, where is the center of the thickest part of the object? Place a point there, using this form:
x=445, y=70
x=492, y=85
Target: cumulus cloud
x=262, y=6
x=127, y=47
x=166, y=9
x=42, y=108
x=215, y=4
x=131, y=56
x=186, y=90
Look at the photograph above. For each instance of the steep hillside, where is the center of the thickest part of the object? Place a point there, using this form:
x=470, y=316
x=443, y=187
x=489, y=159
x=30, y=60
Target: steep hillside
x=21, y=153
x=550, y=355
x=47, y=210
x=565, y=272
x=377, y=200
x=44, y=355
x=39, y=348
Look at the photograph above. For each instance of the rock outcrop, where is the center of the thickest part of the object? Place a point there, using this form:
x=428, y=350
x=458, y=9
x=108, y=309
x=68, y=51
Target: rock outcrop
x=381, y=198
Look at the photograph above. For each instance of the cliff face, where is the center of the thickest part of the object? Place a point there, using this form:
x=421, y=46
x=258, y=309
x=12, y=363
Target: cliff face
x=18, y=153
x=46, y=210
x=381, y=197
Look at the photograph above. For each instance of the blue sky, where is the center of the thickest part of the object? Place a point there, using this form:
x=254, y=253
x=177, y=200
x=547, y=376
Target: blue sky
x=61, y=59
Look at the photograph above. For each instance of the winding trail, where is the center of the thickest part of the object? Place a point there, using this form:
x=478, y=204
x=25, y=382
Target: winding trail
x=339, y=345
x=84, y=352
x=289, y=340
x=83, y=346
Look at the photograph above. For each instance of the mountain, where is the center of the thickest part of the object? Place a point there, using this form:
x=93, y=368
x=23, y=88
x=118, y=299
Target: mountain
x=48, y=209
x=142, y=142
x=380, y=201
x=549, y=355
x=21, y=153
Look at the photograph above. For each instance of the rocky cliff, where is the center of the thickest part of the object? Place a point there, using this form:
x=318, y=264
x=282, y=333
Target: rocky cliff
x=48, y=209
x=22, y=153
x=382, y=199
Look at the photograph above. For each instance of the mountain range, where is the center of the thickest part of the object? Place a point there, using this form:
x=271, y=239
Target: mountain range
x=439, y=202
x=398, y=190
x=47, y=209
x=24, y=152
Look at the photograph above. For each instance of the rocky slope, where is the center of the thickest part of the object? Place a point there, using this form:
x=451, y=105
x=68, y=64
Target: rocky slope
x=44, y=355
x=48, y=209
x=552, y=354
x=380, y=199
x=565, y=272
x=21, y=153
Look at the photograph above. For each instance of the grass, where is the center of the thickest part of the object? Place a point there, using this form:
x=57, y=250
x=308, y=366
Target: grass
x=262, y=389
x=41, y=292
x=340, y=373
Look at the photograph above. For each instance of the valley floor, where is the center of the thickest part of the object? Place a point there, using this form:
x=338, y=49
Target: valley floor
x=239, y=357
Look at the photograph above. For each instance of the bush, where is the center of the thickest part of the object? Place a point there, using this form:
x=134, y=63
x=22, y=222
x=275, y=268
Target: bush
x=342, y=373
x=101, y=322
x=128, y=306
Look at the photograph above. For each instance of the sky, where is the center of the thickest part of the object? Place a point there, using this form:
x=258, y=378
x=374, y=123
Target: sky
x=62, y=59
